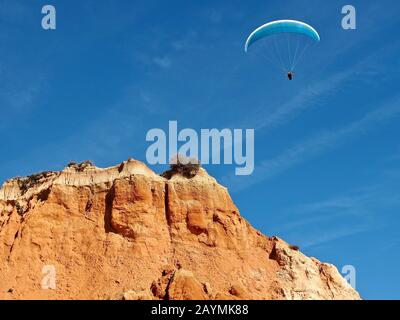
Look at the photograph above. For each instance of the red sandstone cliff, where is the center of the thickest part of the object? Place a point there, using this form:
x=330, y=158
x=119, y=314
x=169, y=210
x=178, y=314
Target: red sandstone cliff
x=126, y=233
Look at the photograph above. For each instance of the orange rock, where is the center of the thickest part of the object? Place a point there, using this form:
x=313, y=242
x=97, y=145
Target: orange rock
x=184, y=286
x=127, y=233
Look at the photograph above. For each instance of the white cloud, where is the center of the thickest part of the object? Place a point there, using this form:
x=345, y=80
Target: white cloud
x=342, y=216
x=315, y=145
x=311, y=96
x=163, y=62
x=335, y=234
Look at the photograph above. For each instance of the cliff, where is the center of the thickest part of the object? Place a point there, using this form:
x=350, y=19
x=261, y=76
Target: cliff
x=127, y=233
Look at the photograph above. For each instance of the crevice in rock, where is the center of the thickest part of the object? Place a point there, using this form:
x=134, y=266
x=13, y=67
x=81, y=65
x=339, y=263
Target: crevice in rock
x=108, y=211
x=12, y=245
x=274, y=254
x=168, y=219
x=166, y=209
x=160, y=287
x=167, y=297
x=21, y=206
x=89, y=203
x=44, y=195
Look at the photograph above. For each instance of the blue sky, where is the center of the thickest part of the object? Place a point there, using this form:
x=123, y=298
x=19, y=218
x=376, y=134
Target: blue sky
x=327, y=151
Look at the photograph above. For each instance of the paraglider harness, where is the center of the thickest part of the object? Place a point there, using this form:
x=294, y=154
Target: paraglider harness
x=290, y=75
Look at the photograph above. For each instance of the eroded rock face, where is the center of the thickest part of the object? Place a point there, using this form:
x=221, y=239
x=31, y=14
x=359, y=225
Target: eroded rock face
x=126, y=233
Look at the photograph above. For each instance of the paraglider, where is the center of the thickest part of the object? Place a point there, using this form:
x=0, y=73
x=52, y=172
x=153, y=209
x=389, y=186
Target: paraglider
x=273, y=35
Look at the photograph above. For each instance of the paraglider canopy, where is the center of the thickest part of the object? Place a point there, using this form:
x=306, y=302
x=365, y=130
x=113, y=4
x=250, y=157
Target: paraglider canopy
x=284, y=41
x=282, y=26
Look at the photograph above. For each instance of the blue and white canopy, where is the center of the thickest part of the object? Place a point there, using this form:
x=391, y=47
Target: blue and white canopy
x=282, y=26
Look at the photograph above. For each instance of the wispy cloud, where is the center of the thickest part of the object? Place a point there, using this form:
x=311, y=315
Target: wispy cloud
x=214, y=16
x=354, y=205
x=342, y=216
x=19, y=92
x=151, y=103
x=315, y=145
x=312, y=95
x=366, y=71
x=163, y=62
x=305, y=99
x=339, y=233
